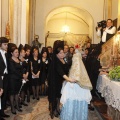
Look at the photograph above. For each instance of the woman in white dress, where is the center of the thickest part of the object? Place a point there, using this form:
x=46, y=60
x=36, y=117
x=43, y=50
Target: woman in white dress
x=76, y=96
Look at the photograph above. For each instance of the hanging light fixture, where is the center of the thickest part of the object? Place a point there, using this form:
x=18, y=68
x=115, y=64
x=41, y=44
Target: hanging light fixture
x=65, y=28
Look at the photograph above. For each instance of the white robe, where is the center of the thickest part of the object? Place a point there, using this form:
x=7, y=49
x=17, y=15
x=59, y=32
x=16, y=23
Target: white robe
x=79, y=91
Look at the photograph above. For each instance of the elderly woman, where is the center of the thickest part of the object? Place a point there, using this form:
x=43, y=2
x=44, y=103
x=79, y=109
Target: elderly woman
x=15, y=78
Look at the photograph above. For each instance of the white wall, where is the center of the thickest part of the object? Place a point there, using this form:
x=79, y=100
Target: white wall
x=43, y=8
x=114, y=9
x=76, y=27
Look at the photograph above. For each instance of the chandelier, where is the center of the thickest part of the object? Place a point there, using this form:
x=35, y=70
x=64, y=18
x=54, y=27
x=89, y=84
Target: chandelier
x=65, y=28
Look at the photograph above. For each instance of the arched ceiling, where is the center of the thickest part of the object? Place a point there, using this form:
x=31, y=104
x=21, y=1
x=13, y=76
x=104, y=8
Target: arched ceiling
x=68, y=15
x=72, y=13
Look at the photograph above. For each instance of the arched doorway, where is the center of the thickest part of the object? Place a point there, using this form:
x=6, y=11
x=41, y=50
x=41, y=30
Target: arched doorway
x=69, y=24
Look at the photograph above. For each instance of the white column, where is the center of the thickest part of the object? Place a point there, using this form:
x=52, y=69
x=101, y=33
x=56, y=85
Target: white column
x=0, y=18
x=15, y=22
x=20, y=21
x=31, y=20
x=24, y=21
x=11, y=18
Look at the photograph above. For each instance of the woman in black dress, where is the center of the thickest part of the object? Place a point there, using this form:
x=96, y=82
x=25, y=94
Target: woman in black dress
x=35, y=70
x=25, y=67
x=28, y=58
x=15, y=79
x=50, y=52
x=44, y=70
x=57, y=74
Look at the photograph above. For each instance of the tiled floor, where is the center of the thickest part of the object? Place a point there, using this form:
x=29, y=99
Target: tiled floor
x=38, y=110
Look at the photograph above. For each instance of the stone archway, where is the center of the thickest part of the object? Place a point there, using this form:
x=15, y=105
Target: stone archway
x=73, y=13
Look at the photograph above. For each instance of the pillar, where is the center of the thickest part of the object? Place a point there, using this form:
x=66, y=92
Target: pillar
x=20, y=21
x=24, y=21
x=32, y=10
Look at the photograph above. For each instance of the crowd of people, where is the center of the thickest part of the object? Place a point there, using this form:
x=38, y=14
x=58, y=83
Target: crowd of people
x=24, y=71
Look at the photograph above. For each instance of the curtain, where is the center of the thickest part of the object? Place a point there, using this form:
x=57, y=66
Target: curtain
x=69, y=38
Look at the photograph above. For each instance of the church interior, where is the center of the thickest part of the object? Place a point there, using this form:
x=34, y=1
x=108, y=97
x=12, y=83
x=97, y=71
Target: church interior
x=73, y=22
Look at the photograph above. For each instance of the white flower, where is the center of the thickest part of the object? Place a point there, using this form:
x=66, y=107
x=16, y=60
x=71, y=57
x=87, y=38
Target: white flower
x=20, y=63
x=26, y=60
x=46, y=62
x=38, y=61
x=23, y=81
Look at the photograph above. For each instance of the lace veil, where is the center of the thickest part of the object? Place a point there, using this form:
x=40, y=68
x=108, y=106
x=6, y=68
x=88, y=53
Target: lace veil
x=78, y=71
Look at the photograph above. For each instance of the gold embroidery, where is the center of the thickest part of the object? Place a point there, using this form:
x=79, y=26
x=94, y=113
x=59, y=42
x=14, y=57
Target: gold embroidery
x=79, y=73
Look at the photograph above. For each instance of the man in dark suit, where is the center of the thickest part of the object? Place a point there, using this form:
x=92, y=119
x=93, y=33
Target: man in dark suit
x=84, y=57
x=1, y=86
x=3, y=74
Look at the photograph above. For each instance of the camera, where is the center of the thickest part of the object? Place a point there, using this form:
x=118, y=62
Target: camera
x=102, y=24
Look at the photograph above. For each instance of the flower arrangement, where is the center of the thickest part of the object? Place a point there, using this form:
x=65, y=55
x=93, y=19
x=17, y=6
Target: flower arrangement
x=114, y=74
x=77, y=46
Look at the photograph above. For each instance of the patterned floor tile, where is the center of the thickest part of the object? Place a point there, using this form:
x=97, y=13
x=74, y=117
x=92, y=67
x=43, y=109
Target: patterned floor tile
x=38, y=110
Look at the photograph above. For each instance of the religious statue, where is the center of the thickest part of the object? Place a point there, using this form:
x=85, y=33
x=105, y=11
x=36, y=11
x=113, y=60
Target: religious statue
x=7, y=32
x=35, y=42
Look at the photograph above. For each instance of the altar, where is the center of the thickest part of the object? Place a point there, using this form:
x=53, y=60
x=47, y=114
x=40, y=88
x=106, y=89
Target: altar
x=110, y=90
